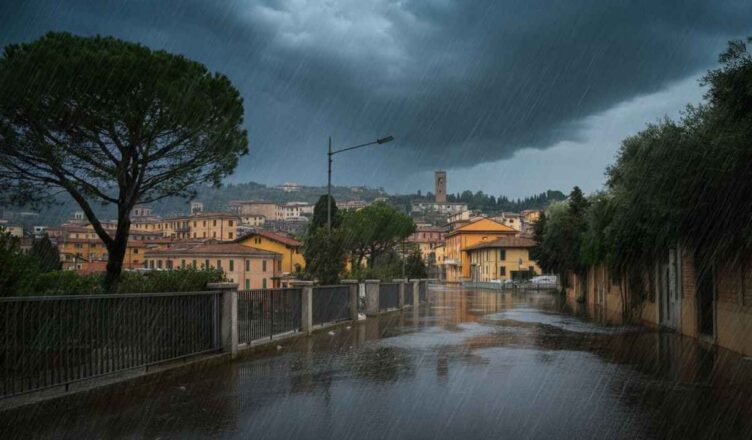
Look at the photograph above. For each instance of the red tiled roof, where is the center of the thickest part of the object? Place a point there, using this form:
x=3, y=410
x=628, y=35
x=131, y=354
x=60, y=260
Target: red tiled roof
x=272, y=236
x=504, y=242
x=213, y=249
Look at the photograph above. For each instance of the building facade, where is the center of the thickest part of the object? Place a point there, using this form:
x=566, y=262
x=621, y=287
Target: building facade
x=289, y=248
x=505, y=258
x=440, y=186
x=248, y=267
x=457, y=261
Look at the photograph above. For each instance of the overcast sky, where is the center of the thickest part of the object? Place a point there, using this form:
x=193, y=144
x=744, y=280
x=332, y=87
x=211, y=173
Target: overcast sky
x=509, y=96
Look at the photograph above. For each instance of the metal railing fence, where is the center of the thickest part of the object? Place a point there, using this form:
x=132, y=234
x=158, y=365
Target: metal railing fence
x=57, y=340
x=264, y=313
x=423, y=291
x=409, y=294
x=330, y=304
x=389, y=296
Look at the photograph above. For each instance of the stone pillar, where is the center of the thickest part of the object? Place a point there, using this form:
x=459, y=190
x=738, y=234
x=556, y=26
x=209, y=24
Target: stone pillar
x=306, y=303
x=372, y=297
x=416, y=292
x=354, y=286
x=228, y=316
x=401, y=282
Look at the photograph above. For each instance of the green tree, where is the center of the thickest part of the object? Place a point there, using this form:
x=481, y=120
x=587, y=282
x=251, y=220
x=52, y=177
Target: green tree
x=325, y=254
x=46, y=254
x=415, y=267
x=319, y=219
x=17, y=270
x=374, y=230
x=112, y=122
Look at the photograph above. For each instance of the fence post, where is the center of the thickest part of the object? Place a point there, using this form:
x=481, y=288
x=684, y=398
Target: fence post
x=372, y=297
x=416, y=292
x=306, y=305
x=401, y=282
x=353, y=298
x=228, y=316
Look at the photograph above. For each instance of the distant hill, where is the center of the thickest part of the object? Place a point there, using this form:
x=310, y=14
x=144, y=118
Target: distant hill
x=217, y=199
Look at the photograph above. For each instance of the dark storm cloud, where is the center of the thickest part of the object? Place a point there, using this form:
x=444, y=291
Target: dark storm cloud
x=457, y=83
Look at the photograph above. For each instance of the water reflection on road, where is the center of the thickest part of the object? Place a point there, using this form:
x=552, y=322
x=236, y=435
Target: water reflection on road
x=473, y=364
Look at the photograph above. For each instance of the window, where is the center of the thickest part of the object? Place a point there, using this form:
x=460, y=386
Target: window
x=263, y=282
x=194, y=224
x=169, y=264
x=214, y=234
x=232, y=265
x=204, y=222
x=229, y=235
x=502, y=271
x=247, y=265
x=206, y=264
x=531, y=269
x=502, y=254
x=194, y=264
x=229, y=223
x=135, y=251
x=151, y=264
x=263, y=265
x=214, y=223
x=182, y=264
x=159, y=264
x=279, y=265
x=219, y=264
x=247, y=283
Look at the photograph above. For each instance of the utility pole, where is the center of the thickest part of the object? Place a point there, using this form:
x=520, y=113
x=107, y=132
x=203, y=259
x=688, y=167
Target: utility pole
x=331, y=153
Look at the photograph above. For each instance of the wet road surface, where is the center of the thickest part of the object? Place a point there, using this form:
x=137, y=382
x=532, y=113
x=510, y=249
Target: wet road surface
x=472, y=364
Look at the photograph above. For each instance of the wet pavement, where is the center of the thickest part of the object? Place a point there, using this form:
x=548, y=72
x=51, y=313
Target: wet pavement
x=472, y=364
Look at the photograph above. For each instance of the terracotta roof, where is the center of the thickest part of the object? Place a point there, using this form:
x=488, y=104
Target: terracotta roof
x=504, y=242
x=213, y=249
x=272, y=236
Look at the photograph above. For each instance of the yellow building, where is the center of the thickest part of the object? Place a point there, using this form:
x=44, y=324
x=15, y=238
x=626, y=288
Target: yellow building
x=199, y=225
x=480, y=230
x=505, y=258
x=250, y=268
x=288, y=247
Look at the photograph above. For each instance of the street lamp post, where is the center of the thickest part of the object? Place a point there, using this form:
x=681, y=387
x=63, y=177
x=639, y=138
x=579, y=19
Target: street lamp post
x=331, y=153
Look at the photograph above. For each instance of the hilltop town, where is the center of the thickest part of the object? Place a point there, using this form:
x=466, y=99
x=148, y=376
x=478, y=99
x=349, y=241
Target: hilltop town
x=235, y=235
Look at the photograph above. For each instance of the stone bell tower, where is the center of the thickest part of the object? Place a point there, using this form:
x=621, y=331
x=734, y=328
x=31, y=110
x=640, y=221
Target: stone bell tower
x=440, y=186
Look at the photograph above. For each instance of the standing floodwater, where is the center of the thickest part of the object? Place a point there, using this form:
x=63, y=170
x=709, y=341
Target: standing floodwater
x=472, y=364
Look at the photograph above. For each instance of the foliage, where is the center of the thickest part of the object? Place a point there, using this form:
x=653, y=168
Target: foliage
x=325, y=254
x=374, y=230
x=685, y=182
x=17, y=269
x=320, y=214
x=112, y=122
x=559, y=236
x=46, y=254
x=67, y=282
x=414, y=266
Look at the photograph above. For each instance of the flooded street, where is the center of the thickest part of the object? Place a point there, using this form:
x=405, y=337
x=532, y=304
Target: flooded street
x=472, y=364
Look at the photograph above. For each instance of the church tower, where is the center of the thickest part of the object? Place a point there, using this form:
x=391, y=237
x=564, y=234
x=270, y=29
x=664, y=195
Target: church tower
x=440, y=186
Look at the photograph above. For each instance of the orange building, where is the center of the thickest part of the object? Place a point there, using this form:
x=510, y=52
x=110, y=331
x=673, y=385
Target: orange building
x=82, y=250
x=457, y=261
x=249, y=267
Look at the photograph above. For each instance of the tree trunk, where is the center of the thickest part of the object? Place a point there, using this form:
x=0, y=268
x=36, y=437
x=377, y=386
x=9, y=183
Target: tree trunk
x=116, y=252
